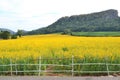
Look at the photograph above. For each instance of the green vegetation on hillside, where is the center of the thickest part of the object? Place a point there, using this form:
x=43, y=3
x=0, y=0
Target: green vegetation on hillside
x=101, y=21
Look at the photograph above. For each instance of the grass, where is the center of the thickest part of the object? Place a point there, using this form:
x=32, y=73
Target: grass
x=97, y=34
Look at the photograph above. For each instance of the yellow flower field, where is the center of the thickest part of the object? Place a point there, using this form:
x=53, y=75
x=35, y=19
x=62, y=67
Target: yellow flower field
x=55, y=45
x=84, y=49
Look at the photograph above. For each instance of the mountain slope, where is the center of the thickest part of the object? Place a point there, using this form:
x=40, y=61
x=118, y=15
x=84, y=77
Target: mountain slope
x=4, y=29
x=101, y=21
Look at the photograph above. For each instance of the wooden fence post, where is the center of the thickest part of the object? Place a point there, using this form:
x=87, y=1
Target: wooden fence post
x=39, y=66
x=16, y=66
x=72, y=65
x=106, y=59
x=11, y=66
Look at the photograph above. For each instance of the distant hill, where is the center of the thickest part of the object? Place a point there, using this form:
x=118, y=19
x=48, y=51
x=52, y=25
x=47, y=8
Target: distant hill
x=100, y=21
x=24, y=32
x=4, y=29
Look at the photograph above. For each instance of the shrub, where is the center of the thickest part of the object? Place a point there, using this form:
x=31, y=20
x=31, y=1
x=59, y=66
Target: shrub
x=14, y=37
x=5, y=35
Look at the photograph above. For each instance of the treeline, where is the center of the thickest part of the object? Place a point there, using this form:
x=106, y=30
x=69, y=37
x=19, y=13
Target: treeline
x=101, y=21
x=8, y=35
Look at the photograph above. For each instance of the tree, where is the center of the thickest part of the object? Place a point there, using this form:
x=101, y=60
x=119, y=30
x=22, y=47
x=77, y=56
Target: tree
x=0, y=34
x=20, y=33
x=5, y=35
x=67, y=31
x=14, y=37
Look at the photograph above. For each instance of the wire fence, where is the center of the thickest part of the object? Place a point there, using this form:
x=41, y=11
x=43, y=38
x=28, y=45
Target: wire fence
x=49, y=67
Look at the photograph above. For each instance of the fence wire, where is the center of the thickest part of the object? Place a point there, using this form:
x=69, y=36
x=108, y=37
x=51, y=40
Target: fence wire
x=42, y=67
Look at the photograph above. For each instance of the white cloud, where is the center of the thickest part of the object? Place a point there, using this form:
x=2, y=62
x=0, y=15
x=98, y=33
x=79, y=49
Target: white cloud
x=33, y=14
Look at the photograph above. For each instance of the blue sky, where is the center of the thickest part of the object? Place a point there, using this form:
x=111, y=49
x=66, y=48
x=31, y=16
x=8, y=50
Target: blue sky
x=33, y=14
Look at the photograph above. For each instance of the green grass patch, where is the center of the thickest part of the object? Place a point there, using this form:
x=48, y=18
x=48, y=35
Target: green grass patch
x=97, y=34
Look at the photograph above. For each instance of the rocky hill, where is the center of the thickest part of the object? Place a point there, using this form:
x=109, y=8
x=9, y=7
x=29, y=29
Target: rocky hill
x=100, y=21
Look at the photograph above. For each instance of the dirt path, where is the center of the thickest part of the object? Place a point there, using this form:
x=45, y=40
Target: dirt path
x=55, y=78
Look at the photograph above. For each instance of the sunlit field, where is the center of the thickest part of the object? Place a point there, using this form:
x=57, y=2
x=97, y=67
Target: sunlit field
x=85, y=49
x=60, y=46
